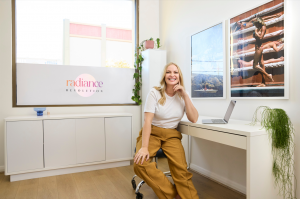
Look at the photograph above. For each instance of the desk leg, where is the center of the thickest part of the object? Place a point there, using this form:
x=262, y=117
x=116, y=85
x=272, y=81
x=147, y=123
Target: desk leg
x=260, y=183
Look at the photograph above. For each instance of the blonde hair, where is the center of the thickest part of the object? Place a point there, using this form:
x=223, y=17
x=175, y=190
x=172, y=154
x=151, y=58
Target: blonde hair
x=281, y=40
x=259, y=21
x=163, y=84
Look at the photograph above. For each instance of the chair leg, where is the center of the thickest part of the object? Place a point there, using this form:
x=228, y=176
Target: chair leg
x=133, y=182
x=139, y=186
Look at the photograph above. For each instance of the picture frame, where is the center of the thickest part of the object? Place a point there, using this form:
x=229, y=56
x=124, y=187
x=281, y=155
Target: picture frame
x=208, y=76
x=245, y=80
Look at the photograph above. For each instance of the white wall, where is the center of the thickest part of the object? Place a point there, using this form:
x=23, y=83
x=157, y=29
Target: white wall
x=6, y=75
x=178, y=21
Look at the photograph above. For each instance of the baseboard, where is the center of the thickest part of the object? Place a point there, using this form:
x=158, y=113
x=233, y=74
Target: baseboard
x=54, y=172
x=1, y=168
x=218, y=178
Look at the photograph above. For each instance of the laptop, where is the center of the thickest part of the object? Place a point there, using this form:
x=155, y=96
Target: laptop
x=226, y=117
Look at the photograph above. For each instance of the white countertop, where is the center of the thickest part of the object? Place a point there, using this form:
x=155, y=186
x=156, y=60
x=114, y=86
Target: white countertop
x=66, y=116
x=238, y=127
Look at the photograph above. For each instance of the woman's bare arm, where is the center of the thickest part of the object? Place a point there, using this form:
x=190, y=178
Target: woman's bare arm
x=262, y=34
x=191, y=111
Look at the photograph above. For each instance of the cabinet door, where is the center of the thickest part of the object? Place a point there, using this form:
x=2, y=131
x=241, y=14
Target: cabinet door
x=59, y=142
x=24, y=144
x=90, y=140
x=118, y=138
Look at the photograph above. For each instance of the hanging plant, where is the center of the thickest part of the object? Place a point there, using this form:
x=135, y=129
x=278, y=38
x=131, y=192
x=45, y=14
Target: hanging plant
x=281, y=132
x=138, y=71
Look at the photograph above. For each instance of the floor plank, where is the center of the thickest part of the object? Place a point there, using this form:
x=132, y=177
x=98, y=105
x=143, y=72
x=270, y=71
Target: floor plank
x=86, y=187
x=28, y=189
x=48, y=188
x=8, y=190
x=105, y=186
x=119, y=181
x=66, y=187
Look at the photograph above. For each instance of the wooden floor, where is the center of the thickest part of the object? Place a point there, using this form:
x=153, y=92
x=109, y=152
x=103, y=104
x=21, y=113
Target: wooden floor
x=112, y=183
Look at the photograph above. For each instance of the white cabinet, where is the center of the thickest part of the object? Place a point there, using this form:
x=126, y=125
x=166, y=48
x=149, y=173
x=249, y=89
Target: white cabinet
x=24, y=145
x=90, y=140
x=59, y=142
x=118, y=138
x=153, y=65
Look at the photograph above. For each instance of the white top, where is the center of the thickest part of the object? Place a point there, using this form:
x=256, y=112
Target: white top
x=168, y=115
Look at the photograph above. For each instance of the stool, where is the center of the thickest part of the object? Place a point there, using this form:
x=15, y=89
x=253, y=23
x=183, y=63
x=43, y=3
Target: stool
x=159, y=154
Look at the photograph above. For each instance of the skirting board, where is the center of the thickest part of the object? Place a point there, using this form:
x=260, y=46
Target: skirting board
x=218, y=178
x=54, y=172
x=1, y=168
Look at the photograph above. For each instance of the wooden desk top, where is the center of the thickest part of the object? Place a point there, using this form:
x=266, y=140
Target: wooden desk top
x=238, y=127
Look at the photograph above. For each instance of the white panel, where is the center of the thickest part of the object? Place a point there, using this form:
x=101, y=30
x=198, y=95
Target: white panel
x=59, y=142
x=41, y=84
x=24, y=145
x=118, y=137
x=85, y=51
x=219, y=137
x=90, y=140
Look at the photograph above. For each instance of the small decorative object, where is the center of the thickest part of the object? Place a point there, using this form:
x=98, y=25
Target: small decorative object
x=48, y=113
x=281, y=132
x=39, y=111
x=149, y=44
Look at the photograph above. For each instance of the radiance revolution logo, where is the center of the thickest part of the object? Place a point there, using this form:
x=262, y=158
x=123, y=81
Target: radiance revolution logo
x=85, y=85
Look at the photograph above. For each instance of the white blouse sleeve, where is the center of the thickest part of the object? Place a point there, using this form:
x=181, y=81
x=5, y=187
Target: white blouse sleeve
x=150, y=102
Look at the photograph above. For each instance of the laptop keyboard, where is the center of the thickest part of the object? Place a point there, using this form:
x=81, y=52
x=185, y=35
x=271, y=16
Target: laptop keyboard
x=217, y=121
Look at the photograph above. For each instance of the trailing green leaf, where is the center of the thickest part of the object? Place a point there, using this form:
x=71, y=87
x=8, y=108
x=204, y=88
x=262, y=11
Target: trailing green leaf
x=281, y=133
x=138, y=73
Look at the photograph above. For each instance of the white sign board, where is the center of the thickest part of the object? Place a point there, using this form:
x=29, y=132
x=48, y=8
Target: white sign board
x=39, y=84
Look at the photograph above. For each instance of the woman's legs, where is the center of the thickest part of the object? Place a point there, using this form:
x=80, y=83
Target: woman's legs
x=173, y=149
x=154, y=177
x=258, y=58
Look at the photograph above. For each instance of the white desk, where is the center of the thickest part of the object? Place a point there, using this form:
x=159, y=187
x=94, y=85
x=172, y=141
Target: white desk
x=253, y=139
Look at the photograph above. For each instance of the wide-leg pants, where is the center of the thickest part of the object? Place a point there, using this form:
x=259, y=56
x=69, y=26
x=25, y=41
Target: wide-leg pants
x=170, y=141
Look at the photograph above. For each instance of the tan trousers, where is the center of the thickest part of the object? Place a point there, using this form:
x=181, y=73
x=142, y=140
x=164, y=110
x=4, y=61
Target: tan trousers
x=170, y=141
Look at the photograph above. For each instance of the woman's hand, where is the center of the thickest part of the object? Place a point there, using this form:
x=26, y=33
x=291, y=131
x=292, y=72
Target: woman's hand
x=141, y=155
x=179, y=89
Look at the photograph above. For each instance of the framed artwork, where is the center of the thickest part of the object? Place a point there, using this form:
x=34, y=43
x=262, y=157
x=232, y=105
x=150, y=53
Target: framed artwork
x=208, y=65
x=257, y=64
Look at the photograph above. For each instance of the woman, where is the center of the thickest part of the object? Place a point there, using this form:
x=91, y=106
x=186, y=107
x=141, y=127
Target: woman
x=259, y=34
x=240, y=25
x=164, y=108
x=243, y=63
x=276, y=45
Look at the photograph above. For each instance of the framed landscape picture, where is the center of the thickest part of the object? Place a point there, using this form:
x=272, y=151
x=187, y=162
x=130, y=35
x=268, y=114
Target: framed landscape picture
x=208, y=65
x=258, y=68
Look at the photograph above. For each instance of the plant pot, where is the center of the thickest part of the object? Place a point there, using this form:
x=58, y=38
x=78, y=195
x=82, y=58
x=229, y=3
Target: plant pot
x=149, y=44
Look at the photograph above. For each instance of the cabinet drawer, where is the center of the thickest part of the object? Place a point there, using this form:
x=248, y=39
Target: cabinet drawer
x=219, y=137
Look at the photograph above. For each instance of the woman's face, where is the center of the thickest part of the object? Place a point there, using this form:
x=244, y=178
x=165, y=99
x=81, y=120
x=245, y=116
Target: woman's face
x=172, y=75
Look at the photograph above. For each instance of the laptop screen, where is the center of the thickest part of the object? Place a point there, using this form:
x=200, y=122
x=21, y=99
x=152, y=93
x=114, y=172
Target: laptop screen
x=229, y=110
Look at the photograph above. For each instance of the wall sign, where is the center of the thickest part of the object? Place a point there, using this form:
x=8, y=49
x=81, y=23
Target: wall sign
x=39, y=84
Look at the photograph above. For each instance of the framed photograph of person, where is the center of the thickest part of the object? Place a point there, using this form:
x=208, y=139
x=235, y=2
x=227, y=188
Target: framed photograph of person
x=257, y=65
x=208, y=65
